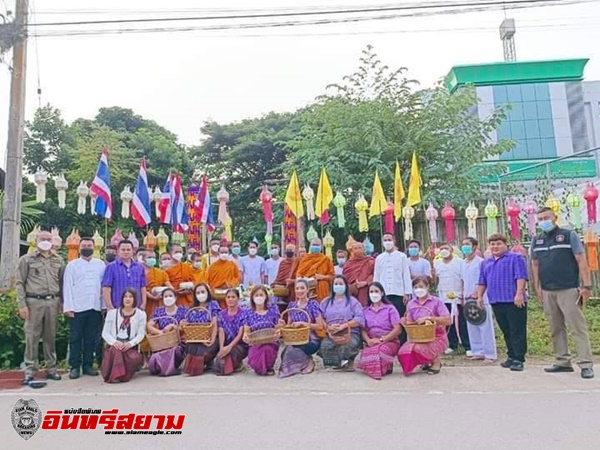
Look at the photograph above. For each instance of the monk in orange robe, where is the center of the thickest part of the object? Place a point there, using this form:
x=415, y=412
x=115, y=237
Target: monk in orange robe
x=224, y=273
x=287, y=272
x=154, y=278
x=318, y=266
x=181, y=273
x=358, y=271
x=198, y=272
x=212, y=255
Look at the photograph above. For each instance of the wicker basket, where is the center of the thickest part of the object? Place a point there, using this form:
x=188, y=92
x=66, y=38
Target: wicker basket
x=197, y=333
x=295, y=335
x=341, y=337
x=166, y=340
x=420, y=334
x=219, y=294
x=264, y=336
x=281, y=291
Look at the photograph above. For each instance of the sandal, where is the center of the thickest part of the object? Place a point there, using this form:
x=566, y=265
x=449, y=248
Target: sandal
x=432, y=371
x=426, y=367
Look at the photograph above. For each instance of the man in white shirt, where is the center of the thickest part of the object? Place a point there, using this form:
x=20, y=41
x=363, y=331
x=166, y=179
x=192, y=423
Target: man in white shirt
x=341, y=258
x=419, y=267
x=449, y=273
x=252, y=267
x=392, y=271
x=272, y=265
x=82, y=294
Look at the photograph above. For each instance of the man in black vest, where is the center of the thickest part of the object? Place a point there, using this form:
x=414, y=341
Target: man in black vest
x=558, y=264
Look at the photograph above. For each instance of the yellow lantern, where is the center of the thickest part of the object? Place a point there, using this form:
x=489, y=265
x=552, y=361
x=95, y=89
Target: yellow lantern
x=362, y=207
x=554, y=204
x=150, y=240
x=328, y=242
x=162, y=240
x=32, y=239
x=98, y=244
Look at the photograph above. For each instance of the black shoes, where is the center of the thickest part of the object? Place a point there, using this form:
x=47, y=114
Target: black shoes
x=587, y=373
x=74, y=374
x=26, y=380
x=558, y=369
x=517, y=366
x=53, y=376
x=507, y=364
x=90, y=371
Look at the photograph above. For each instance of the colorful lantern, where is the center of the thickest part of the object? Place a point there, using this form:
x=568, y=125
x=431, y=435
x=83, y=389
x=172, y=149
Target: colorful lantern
x=61, y=184
x=178, y=238
x=156, y=197
x=554, y=204
x=268, y=240
x=117, y=238
x=512, y=211
x=82, y=193
x=311, y=234
x=408, y=212
x=362, y=207
x=431, y=214
x=126, y=198
x=32, y=239
x=223, y=198
x=309, y=196
x=328, y=242
x=72, y=242
x=56, y=239
x=590, y=194
x=98, y=244
x=389, y=217
x=40, y=179
x=150, y=240
x=163, y=240
x=491, y=212
x=448, y=214
x=339, y=201
x=228, y=229
x=266, y=198
x=350, y=245
x=134, y=240
x=530, y=209
x=472, y=213
x=591, y=244
x=369, y=247
x=574, y=202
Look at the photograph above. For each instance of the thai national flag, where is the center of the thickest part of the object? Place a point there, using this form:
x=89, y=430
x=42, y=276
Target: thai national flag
x=179, y=220
x=205, y=206
x=140, y=207
x=165, y=202
x=101, y=187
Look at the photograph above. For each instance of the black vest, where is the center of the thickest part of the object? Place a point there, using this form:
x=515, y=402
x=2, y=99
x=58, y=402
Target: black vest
x=558, y=268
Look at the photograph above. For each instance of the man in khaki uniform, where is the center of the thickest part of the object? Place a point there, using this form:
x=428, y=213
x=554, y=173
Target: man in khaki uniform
x=39, y=282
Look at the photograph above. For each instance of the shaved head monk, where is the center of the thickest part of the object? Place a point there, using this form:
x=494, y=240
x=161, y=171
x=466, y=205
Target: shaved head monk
x=224, y=273
x=181, y=273
x=359, y=272
x=318, y=266
x=212, y=255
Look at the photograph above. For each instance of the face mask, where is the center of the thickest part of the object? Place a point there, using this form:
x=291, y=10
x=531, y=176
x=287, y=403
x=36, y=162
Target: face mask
x=236, y=250
x=202, y=297
x=252, y=251
x=259, y=300
x=274, y=251
x=166, y=264
x=421, y=292
x=86, y=252
x=315, y=249
x=44, y=245
x=546, y=225
x=215, y=248
x=289, y=253
x=375, y=298
x=466, y=250
x=223, y=256
x=341, y=261
x=169, y=300
x=177, y=256
x=150, y=262
x=388, y=245
x=413, y=251
x=110, y=257
x=197, y=264
x=444, y=253
x=339, y=289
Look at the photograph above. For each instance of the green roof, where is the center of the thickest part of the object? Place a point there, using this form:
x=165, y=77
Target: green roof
x=516, y=73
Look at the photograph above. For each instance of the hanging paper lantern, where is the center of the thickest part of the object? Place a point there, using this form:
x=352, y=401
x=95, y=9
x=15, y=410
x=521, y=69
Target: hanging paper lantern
x=472, y=213
x=448, y=214
x=431, y=215
x=156, y=197
x=223, y=198
x=554, y=204
x=574, y=202
x=266, y=198
x=309, y=195
x=72, y=242
x=228, y=229
x=177, y=238
x=328, y=242
x=40, y=179
x=163, y=240
x=134, y=240
x=408, y=212
x=126, y=197
x=369, y=247
x=32, y=239
x=491, y=212
x=339, y=201
x=591, y=245
x=512, y=211
x=389, y=217
x=311, y=234
x=61, y=185
x=82, y=193
x=56, y=239
x=93, y=197
x=268, y=241
x=362, y=207
x=350, y=245
x=150, y=240
x=590, y=194
x=117, y=238
x=530, y=209
x=98, y=244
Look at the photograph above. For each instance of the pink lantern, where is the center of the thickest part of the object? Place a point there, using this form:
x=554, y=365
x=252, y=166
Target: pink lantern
x=117, y=237
x=389, y=217
x=266, y=198
x=448, y=214
x=431, y=215
x=590, y=194
x=512, y=211
x=530, y=209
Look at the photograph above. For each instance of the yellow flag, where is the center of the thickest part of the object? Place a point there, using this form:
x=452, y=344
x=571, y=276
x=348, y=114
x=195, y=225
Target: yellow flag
x=398, y=193
x=378, y=202
x=324, y=194
x=293, y=197
x=414, y=186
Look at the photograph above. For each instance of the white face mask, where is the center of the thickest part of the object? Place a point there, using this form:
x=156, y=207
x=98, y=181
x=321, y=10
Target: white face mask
x=215, y=248
x=166, y=264
x=444, y=253
x=259, y=300
x=421, y=292
x=169, y=300
x=177, y=256
x=375, y=297
x=44, y=245
x=388, y=245
x=223, y=256
x=252, y=251
x=274, y=252
x=202, y=297
x=197, y=264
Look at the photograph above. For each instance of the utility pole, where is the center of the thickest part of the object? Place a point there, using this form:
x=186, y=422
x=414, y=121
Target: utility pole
x=11, y=222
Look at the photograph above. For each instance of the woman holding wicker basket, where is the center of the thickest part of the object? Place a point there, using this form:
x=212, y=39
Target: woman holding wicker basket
x=344, y=317
x=164, y=324
x=201, y=350
x=261, y=332
x=232, y=350
x=425, y=322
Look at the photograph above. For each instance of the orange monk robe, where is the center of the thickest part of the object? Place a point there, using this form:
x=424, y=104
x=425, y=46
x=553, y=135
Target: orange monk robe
x=154, y=278
x=181, y=273
x=359, y=269
x=287, y=269
x=313, y=264
x=223, y=274
x=199, y=276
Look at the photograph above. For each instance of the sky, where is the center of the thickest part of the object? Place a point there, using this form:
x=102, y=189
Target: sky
x=183, y=79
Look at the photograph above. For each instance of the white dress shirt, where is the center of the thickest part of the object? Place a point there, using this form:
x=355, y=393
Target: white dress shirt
x=82, y=285
x=111, y=330
x=450, y=278
x=393, y=272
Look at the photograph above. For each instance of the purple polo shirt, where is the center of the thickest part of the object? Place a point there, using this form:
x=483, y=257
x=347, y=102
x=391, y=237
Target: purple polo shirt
x=119, y=277
x=500, y=276
x=380, y=321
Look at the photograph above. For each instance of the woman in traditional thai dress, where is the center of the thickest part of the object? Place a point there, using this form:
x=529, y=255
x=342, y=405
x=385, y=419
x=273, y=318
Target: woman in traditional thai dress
x=232, y=350
x=262, y=357
x=166, y=362
x=298, y=358
x=200, y=356
x=341, y=313
x=425, y=307
x=124, y=328
x=380, y=334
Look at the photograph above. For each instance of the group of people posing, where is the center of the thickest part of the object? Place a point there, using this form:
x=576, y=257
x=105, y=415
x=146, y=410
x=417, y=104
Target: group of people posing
x=357, y=311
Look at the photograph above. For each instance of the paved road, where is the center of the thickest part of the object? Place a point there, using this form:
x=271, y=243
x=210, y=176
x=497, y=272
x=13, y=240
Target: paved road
x=462, y=408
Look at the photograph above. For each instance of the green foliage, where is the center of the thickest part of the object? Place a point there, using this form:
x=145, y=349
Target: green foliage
x=30, y=214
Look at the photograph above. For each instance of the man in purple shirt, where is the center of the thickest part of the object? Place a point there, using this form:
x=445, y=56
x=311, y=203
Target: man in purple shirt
x=503, y=277
x=122, y=274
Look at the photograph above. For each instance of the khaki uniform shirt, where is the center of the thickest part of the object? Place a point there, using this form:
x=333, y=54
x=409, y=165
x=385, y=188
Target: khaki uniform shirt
x=39, y=275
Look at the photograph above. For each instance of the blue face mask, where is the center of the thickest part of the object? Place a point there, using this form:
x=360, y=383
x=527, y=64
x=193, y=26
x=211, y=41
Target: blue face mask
x=315, y=249
x=339, y=289
x=236, y=250
x=546, y=225
x=466, y=250
x=413, y=251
